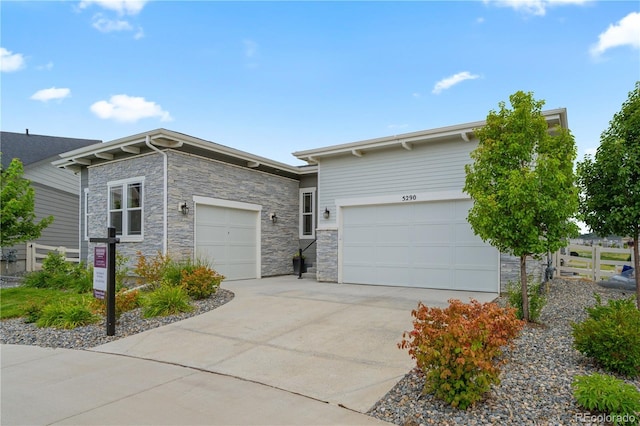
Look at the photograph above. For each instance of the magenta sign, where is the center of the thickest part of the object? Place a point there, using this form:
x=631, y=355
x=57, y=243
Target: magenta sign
x=99, y=272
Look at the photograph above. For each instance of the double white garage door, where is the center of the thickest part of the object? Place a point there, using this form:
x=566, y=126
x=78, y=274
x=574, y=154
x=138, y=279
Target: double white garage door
x=428, y=244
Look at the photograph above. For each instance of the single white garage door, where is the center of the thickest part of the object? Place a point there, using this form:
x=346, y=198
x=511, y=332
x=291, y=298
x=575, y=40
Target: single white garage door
x=227, y=237
x=428, y=245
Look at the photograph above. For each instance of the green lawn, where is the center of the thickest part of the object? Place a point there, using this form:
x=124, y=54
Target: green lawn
x=15, y=301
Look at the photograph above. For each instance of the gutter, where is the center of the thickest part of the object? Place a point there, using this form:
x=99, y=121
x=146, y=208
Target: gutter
x=147, y=142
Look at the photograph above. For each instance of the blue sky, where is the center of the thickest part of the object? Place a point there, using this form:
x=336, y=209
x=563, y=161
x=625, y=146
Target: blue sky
x=271, y=78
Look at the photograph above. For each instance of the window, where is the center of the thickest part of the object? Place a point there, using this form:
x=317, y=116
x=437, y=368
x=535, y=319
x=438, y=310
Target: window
x=307, y=213
x=125, y=208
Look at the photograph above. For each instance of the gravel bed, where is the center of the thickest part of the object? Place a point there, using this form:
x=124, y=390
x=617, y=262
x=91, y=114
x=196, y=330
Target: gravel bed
x=536, y=382
x=16, y=331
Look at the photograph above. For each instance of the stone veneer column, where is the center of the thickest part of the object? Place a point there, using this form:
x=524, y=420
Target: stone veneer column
x=327, y=255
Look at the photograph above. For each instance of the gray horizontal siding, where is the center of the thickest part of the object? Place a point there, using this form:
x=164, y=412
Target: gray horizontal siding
x=46, y=174
x=426, y=168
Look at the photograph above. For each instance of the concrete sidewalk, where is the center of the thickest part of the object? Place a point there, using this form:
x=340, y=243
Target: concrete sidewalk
x=302, y=349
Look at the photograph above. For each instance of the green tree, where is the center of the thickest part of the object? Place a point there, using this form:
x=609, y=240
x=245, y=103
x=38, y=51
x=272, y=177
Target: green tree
x=610, y=183
x=17, y=218
x=522, y=183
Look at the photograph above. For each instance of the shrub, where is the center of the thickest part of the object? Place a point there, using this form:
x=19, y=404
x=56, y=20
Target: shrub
x=54, y=263
x=152, y=271
x=201, y=282
x=66, y=315
x=536, y=299
x=126, y=300
x=32, y=311
x=606, y=394
x=611, y=335
x=68, y=277
x=166, y=300
x=457, y=347
x=122, y=270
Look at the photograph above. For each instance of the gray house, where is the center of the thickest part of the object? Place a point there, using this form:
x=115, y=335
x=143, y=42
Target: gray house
x=172, y=193
x=387, y=211
x=56, y=190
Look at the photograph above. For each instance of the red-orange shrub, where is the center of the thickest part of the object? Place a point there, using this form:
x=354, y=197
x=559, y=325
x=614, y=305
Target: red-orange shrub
x=200, y=282
x=457, y=347
x=126, y=300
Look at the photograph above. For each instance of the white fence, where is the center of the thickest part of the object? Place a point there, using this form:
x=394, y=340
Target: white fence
x=588, y=262
x=37, y=252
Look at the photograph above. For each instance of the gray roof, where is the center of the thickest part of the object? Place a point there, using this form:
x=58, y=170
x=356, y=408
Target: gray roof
x=31, y=148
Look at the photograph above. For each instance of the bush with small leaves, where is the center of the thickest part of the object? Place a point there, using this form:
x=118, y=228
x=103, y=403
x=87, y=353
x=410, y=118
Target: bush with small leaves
x=200, y=282
x=607, y=394
x=611, y=335
x=166, y=300
x=151, y=271
x=126, y=300
x=457, y=348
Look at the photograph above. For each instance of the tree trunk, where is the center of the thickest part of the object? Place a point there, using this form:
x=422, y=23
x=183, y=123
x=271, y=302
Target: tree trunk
x=636, y=266
x=523, y=285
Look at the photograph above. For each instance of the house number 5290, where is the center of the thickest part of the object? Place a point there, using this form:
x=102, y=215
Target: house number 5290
x=411, y=197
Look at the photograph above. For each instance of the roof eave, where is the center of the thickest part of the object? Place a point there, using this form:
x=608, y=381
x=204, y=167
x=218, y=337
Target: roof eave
x=464, y=131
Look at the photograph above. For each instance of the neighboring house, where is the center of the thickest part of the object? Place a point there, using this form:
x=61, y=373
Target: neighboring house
x=387, y=211
x=56, y=190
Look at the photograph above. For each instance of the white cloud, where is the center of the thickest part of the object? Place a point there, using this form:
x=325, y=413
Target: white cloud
x=448, y=82
x=129, y=109
x=533, y=7
x=47, y=67
x=625, y=32
x=123, y=7
x=106, y=25
x=139, y=34
x=250, y=48
x=46, y=95
x=9, y=61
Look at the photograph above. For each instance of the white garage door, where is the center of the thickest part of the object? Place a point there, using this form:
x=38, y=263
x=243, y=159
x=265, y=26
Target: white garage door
x=427, y=245
x=227, y=237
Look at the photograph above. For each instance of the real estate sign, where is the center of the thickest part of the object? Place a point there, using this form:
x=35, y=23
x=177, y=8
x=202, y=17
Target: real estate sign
x=99, y=272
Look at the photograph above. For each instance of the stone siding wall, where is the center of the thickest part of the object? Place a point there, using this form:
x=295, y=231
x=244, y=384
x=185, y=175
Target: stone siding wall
x=191, y=175
x=327, y=255
x=150, y=167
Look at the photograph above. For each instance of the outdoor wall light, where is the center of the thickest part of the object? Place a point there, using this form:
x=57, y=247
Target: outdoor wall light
x=326, y=213
x=273, y=217
x=184, y=208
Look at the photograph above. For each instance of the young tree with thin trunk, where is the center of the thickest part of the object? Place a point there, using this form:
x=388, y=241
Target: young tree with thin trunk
x=522, y=183
x=610, y=183
x=17, y=218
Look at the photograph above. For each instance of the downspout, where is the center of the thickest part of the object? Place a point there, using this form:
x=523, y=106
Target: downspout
x=164, y=215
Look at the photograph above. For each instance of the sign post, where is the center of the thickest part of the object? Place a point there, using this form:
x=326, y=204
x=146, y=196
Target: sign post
x=111, y=241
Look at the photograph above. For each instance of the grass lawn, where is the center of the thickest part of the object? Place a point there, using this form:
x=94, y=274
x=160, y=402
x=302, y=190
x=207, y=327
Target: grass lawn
x=14, y=301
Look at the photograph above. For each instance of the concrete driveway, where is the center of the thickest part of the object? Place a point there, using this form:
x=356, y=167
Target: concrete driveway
x=329, y=343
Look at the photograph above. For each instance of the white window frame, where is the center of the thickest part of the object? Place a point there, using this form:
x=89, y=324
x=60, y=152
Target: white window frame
x=86, y=214
x=303, y=191
x=123, y=184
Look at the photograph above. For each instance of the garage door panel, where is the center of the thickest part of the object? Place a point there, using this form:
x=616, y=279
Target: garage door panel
x=228, y=238
x=390, y=233
x=431, y=254
x=432, y=246
x=475, y=255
